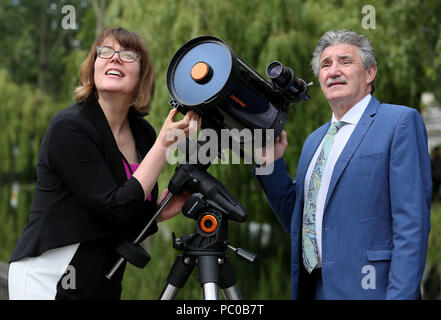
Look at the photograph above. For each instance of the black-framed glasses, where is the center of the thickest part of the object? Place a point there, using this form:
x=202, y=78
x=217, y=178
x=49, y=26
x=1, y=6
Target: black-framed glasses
x=108, y=52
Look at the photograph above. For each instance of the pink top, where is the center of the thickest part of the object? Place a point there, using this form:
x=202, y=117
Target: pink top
x=133, y=167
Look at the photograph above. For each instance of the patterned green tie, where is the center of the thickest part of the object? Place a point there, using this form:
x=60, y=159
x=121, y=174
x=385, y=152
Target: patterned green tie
x=309, y=242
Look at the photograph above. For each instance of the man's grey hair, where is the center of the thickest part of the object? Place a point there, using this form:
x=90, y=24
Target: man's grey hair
x=334, y=37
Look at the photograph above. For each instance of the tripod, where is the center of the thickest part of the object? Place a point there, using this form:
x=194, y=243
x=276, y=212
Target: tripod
x=212, y=205
x=205, y=248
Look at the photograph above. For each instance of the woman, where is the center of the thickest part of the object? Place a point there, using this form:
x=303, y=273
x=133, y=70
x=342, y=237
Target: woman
x=97, y=174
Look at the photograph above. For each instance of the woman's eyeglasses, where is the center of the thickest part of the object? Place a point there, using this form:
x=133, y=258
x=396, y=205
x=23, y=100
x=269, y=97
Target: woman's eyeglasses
x=125, y=55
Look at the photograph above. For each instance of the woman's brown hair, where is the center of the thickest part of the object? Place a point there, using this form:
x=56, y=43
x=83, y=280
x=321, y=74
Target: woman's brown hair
x=146, y=85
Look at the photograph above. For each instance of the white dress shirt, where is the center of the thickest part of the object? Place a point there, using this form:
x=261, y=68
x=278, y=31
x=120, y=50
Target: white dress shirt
x=351, y=118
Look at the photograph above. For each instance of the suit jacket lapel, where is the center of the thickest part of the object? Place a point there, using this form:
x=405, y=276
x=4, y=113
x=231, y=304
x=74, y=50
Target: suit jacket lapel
x=310, y=150
x=354, y=141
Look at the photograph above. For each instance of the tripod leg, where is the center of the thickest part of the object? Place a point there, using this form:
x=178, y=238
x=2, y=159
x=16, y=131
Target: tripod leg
x=209, y=276
x=169, y=292
x=228, y=281
x=177, y=277
x=232, y=293
x=209, y=291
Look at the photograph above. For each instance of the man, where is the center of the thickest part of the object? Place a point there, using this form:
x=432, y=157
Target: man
x=359, y=209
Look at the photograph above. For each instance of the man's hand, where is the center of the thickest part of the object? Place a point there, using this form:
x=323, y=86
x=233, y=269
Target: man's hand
x=273, y=152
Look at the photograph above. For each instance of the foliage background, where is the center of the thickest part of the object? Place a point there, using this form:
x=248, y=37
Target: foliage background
x=39, y=69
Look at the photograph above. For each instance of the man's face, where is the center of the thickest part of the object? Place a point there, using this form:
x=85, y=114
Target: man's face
x=342, y=77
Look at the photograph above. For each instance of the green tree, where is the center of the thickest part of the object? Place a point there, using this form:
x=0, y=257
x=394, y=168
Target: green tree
x=34, y=43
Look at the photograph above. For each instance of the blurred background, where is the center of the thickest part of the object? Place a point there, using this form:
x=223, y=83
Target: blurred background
x=43, y=43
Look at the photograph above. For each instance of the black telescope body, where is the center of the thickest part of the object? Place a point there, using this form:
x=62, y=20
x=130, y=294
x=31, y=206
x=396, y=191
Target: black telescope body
x=205, y=75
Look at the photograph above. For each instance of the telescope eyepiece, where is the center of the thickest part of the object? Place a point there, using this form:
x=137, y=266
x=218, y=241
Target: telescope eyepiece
x=285, y=82
x=274, y=69
x=278, y=73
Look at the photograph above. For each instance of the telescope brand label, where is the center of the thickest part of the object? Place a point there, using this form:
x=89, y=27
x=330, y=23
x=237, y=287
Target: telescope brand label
x=238, y=100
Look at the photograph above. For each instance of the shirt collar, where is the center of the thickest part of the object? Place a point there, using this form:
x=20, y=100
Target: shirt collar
x=353, y=115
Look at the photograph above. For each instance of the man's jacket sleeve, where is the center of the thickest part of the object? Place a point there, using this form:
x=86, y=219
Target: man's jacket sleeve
x=280, y=191
x=410, y=196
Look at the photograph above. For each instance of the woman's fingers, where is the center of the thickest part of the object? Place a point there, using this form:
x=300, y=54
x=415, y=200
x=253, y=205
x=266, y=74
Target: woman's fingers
x=193, y=126
x=188, y=125
x=172, y=114
x=189, y=122
x=195, y=123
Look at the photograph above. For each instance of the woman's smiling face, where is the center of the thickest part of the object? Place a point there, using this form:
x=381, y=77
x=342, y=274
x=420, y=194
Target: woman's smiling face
x=115, y=75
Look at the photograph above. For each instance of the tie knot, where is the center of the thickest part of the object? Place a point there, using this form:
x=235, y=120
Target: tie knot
x=335, y=126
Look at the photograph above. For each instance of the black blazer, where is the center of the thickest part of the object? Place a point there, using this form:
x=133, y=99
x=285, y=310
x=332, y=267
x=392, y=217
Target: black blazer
x=82, y=192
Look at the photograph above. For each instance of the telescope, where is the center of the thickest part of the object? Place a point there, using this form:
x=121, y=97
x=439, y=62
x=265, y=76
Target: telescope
x=206, y=76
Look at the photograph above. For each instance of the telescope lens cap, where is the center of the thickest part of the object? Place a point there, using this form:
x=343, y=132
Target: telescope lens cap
x=199, y=71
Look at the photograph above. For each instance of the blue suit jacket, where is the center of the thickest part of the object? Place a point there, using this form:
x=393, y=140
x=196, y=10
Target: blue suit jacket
x=376, y=220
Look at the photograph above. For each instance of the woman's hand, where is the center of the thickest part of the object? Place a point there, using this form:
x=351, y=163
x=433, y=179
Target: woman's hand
x=151, y=166
x=174, y=206
x=171, y=131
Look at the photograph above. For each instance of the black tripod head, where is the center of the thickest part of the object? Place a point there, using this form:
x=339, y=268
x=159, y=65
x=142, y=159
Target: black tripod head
x=195, y=178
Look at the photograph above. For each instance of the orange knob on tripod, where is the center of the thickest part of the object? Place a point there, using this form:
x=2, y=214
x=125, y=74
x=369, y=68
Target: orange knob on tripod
x=208, y=223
